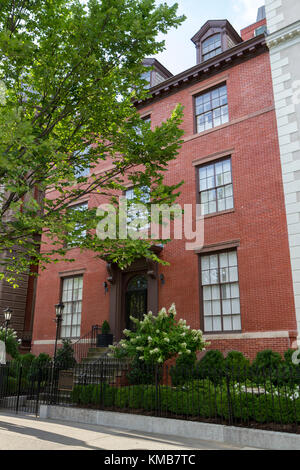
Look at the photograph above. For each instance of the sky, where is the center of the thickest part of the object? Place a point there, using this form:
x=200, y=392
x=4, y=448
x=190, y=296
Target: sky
x=180, y=52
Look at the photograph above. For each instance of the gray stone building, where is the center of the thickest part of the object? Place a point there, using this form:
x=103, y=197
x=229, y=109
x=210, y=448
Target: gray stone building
x=283, y=23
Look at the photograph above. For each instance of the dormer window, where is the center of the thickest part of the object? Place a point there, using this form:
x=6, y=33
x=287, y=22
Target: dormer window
x=215, y=37
x=211, y=46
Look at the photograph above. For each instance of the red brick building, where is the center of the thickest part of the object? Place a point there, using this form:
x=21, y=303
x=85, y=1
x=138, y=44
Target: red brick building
x=238, y=287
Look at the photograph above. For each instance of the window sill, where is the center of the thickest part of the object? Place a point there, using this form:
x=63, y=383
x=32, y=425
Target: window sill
x=215, y=214
x=208, y=131
x=225, y=333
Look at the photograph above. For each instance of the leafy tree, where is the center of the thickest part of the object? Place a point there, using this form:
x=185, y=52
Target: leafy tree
x=70, y=75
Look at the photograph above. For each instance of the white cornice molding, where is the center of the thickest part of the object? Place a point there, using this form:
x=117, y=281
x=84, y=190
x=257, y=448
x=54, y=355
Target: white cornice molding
x=284, y=35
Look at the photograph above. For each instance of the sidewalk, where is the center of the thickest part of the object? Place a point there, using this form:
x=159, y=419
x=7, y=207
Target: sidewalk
x=25, y=432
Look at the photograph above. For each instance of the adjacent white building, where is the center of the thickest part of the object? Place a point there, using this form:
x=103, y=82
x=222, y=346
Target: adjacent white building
x=283, y=24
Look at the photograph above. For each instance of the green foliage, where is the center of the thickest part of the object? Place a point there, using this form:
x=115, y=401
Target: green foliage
x=65, y=356
x=141, y=373
x=158, y=338
x=237, y=365
x=211, y=366
x=40, y=367
x=105, y=328
x=184, y=369
x=70, y=73
x=266, y=359
x=200, y=398
x=97, y=395
x=10, y=339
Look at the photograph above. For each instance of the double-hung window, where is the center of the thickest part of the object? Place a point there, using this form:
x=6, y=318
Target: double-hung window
x=211, y=109
x=72, y=299
x=220, y=292
x=215, y=186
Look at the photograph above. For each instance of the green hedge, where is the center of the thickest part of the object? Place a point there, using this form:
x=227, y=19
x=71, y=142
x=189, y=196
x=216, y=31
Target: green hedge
x=200, y=398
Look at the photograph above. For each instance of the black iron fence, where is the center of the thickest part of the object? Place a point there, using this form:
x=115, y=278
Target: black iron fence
x=266, y=398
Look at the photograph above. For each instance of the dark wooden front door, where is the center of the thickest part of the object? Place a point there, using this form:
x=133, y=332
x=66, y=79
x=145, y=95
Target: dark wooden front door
x=135, y=300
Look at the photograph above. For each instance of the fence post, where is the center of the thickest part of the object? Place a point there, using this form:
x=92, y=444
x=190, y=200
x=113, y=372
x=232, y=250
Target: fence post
x=230, y=412
x=38, y=392
x=19, y=387
x=156, y=390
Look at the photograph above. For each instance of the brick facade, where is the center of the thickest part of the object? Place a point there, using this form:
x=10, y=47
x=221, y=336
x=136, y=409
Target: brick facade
x=257, y=223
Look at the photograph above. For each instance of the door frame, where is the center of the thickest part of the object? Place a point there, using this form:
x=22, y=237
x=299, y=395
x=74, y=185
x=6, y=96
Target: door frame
x=118, y=280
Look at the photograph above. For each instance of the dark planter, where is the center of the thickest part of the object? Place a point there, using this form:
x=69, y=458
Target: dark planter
x=103, y=341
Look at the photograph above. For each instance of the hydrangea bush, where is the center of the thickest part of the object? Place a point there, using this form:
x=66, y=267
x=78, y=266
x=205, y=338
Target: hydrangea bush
x=158, y=338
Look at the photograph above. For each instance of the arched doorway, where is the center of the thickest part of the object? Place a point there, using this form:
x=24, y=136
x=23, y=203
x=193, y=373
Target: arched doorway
x=136, y=300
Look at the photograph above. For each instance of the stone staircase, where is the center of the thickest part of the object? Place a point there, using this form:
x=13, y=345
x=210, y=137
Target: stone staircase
x=95, y=354
x=102, y=368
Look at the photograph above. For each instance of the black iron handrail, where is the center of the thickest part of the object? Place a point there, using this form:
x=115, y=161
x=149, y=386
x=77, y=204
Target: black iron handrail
x=82, y=345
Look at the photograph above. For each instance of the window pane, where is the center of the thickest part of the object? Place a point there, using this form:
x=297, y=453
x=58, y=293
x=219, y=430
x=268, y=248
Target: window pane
x=205, y=277
x=233, y=274
x=207, y=308
x=213, y=261
x=221, y=193
x=214, y=276
x=217, y=324
x=235, y=292
x=226, y=304
x=203, y=185
x=232, y=258
x=216, y=307
x=210, y=182
x=223, y=259
x=229, y=203
x=236, y=320
x=227, y=325
x=207, y=293
x=235, y=305
x=208, y=324
x=224, y=275
x=205, y=262
x=221, y=205
x=212, y=207
x=215, y=292
x=204, y=196
x=226, y=293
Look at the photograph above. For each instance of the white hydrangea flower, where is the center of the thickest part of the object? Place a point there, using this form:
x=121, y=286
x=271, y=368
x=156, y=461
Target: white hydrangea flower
x=172, y=309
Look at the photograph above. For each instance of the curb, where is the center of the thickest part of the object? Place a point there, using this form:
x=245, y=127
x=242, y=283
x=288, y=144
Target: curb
x=270, y=440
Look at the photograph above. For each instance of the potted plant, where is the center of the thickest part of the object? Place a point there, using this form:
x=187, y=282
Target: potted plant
x=105, y=338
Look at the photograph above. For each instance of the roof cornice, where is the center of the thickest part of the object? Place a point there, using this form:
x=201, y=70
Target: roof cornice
x=228, y=58
x=220, y=24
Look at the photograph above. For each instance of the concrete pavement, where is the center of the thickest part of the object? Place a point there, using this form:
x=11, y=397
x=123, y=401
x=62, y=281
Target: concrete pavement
x=23, y=432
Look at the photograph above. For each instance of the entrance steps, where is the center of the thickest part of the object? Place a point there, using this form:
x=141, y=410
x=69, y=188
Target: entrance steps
x=102, y=368
x=95, y=354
